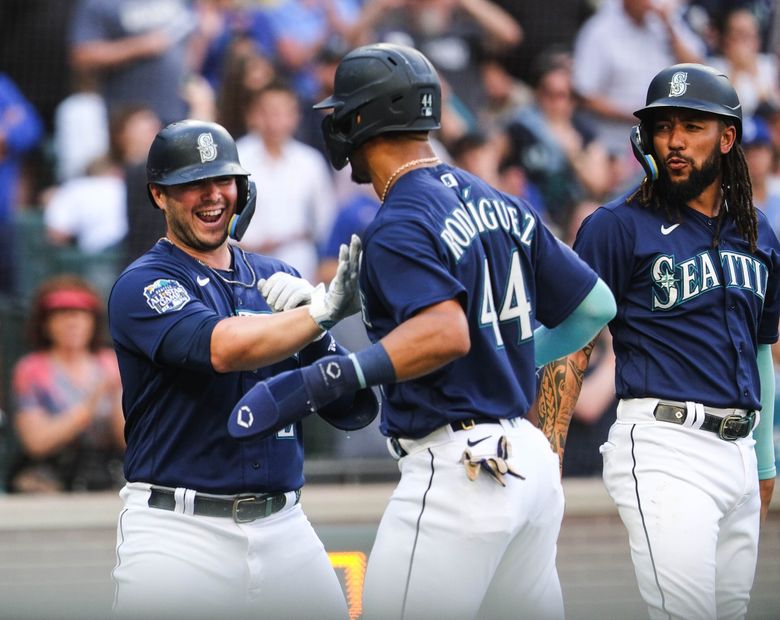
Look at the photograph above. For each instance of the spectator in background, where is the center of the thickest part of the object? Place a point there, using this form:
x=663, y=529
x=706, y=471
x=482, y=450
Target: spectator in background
x=89, y=211
x=67, y=396
x=20, y=131
x=757, y=144
x=80, y=132
x=480, y=154
x=132, y=131
x=769, y=111
x=245, y=71
x=596, y=407
x=453, y=34
x=227, y=21
x=302, y=28
x=505, y=95
x=295, y=197
x=618, y=51
x=545, y=25
x=753, y=74
x=352, y=218
x=323, y=72
x=138, y=48
x=556, y=145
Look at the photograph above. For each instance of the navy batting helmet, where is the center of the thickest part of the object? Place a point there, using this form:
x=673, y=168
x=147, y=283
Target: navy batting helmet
x=694, y=87
x=191, y=150
x=690, y=86
x=379, y=89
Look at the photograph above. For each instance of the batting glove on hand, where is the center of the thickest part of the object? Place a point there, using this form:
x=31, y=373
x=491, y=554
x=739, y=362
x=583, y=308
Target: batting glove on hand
x=283, y=291
x=342, y=297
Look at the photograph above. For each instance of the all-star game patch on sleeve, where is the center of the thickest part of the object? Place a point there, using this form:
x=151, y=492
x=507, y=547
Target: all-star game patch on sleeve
x=166, y=295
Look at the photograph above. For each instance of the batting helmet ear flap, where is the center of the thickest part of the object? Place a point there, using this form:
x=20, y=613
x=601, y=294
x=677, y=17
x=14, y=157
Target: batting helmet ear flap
x=337, y=144
x=245, y=208
x=640, y=145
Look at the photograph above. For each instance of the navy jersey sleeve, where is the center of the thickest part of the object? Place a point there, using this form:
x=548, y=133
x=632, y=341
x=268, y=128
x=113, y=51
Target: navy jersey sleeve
x=563, y=279
x=606, y=245
x=770, y=315
x=408, y=269
x=147, y=305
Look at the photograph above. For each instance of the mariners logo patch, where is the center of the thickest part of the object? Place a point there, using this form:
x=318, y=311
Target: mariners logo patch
x=678, y=85
x=166, y=296
x=206, y=147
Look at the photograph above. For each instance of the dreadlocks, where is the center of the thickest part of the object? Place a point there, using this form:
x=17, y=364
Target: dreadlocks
x=737, y=198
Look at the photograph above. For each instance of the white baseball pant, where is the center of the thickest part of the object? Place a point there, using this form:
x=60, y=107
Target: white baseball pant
x=171, y=564
x=690, y=503
x=449, y=547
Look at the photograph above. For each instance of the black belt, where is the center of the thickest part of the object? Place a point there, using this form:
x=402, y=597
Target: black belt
x=464, y=425
x=241, y=508
x=730, y=427
x=458, y=425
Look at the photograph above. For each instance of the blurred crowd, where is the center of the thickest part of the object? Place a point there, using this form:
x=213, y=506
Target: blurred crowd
x=538, y=100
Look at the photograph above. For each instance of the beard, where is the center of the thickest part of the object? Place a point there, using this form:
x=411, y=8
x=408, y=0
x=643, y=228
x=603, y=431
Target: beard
x=682, y=192
x=188, y=236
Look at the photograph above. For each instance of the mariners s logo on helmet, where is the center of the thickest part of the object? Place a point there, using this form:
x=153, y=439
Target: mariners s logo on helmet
x=206, y=147
x=678, y=85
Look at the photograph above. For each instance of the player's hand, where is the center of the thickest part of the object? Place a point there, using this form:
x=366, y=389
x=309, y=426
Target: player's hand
x=766, y=488
x=342, y=297
x=283, y=291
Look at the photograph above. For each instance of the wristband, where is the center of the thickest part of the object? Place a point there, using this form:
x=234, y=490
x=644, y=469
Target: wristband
x=373, y=366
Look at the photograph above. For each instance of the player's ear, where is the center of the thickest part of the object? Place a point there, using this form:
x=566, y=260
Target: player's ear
x=727, y=138
x=157, y=194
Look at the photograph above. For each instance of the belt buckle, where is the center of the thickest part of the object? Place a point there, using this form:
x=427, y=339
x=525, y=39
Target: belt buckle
x=727, y=431
x=237, y=502
x=467, y=425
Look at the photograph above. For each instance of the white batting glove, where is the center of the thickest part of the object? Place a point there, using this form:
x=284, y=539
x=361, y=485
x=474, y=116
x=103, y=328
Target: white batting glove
x=283, y=291
x=342, y=297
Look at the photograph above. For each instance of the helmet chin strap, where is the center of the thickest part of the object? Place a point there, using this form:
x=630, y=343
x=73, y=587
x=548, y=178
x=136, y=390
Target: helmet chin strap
x=240, y=221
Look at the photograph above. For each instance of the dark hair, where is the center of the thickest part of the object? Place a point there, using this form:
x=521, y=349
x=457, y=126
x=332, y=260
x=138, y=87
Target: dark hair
x=737, y=194
x=274, y=86
x=41, y=309
x=118, y=120
x=467, y=143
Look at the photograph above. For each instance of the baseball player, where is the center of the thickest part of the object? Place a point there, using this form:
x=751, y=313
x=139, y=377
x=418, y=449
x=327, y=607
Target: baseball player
x=212, y=527
x=454, y=276
x=695, y=271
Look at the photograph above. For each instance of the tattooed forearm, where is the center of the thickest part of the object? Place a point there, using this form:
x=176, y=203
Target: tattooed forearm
x=559, y=388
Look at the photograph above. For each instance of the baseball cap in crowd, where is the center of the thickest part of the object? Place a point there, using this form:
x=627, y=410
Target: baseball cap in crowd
x=755, y=132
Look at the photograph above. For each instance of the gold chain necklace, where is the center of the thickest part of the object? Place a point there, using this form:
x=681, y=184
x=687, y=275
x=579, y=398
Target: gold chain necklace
x=406, y=166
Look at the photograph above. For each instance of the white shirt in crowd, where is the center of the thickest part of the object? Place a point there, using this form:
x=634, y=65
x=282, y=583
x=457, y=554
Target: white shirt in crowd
x=615, y=59
x=91, y=209
x=295, y=202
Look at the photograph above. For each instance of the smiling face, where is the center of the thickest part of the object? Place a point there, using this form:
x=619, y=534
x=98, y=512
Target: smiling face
x=689, y=145
x=198, y=213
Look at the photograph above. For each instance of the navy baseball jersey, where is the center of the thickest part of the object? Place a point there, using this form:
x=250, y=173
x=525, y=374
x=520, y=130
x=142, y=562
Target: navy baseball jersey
x=445, y=234
x=723, y=302
x=162, y=311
